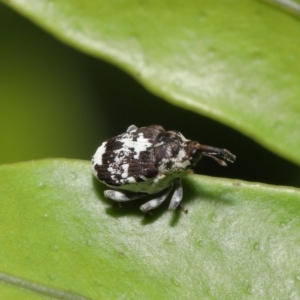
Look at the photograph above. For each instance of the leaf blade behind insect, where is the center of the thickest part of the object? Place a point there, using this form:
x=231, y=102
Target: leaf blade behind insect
x=243, y=73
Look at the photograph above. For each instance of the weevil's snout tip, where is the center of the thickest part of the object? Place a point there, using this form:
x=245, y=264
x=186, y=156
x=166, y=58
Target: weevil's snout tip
x=229, y=156
x=221, y=156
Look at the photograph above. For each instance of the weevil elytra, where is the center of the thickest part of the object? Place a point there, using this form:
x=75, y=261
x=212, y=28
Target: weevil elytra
x=150, y=160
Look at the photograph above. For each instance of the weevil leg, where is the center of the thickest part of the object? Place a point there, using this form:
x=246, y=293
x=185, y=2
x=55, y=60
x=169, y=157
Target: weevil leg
x=177, y=195
x=154, y=203
x=122, y=196
x=131, y=128
x=181, y=207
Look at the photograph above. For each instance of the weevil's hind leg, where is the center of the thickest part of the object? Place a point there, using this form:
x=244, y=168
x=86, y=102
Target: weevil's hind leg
x=154, y=203
x=122, y=196
x=131, y=128
x=177, y=195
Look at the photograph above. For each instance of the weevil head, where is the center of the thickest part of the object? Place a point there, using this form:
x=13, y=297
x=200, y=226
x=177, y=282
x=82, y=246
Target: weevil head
x=176, y=154
x=194, y=152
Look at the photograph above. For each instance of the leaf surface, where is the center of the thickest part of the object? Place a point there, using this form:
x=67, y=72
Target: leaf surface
x=61, y=238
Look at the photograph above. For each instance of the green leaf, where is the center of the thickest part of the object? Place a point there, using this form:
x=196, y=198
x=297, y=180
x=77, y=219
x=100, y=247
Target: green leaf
x=236, y=62
x=61, y=238
x=290, y=6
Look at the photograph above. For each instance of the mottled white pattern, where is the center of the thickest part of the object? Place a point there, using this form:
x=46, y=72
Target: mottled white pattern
x=97, y=158
x=181, y=161
x=141, y=144
x=121, y=155
x=112, y=170
x=125, y=170
x=170, y=157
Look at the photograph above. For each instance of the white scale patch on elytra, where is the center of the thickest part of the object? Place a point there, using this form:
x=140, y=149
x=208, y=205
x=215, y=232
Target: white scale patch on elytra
x=125, y=170
x=97, y=158
x=149, y=160
x=141, y=143
x=119, y=166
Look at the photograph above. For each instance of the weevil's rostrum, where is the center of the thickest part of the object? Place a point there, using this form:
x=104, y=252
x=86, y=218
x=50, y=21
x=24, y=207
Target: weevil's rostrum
x=149, y=160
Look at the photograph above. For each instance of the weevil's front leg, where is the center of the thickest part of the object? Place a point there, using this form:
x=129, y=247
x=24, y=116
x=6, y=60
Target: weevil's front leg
x=177, y=195
x=122, y=196
x=154, y=203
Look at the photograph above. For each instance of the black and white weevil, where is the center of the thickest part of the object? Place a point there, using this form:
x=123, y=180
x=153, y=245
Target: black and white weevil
x=149, y=160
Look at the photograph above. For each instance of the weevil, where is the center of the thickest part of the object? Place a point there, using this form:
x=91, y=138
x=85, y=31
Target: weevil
x=150, y=160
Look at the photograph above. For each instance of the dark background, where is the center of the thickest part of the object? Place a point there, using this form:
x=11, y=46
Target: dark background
x=58, y=102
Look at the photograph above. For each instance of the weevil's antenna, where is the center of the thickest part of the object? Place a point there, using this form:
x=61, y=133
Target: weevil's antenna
x=219, y=155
